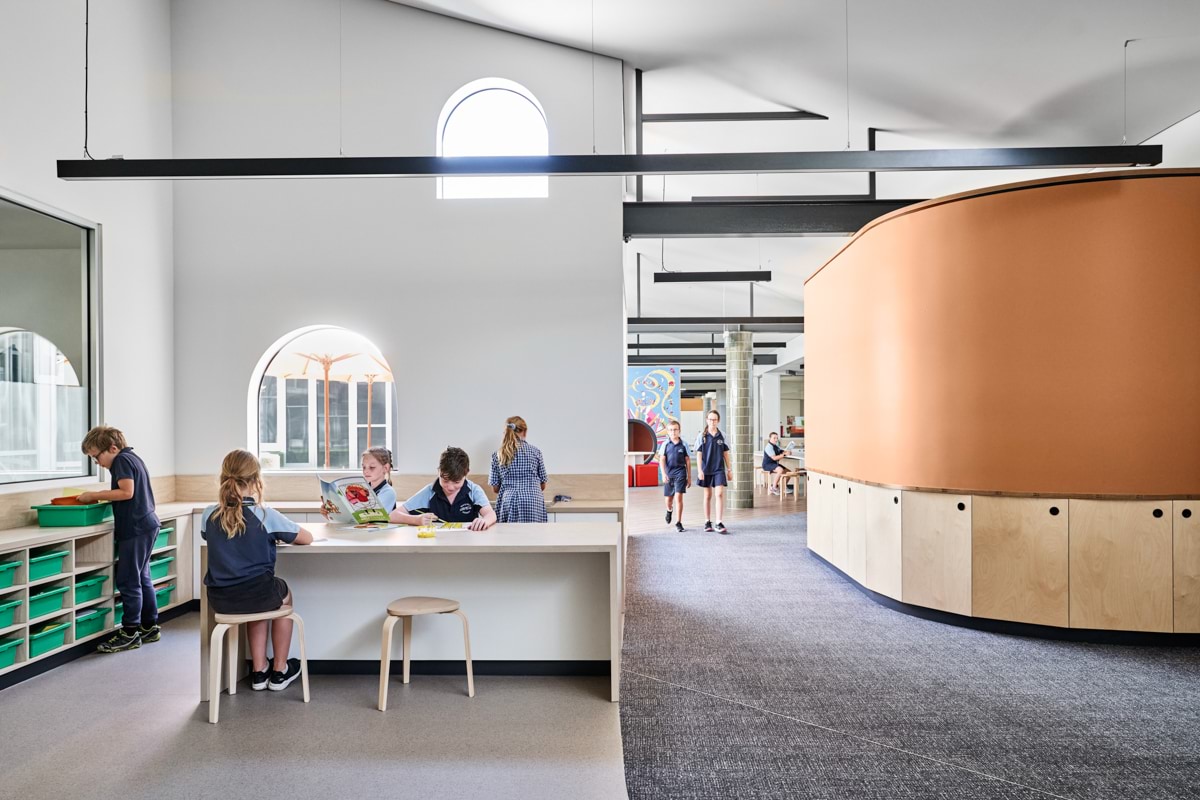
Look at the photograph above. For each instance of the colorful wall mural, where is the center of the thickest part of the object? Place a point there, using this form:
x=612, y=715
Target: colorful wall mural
x=652, y=395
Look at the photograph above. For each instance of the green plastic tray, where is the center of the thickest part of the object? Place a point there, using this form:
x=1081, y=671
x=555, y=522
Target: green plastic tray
x=46, y=564
x=52, y=516
x=8, y=573
x=89, y=589
x=163, y=538
x=8, y=608
x=89, y=623
x=47, y=601
x=162, y=596
x=47, y=639
x=118, y=612
x=8, y=652
x=160, y=567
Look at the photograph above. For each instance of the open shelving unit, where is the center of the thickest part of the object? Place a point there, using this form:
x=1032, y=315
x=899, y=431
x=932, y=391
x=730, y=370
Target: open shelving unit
x=87, y=555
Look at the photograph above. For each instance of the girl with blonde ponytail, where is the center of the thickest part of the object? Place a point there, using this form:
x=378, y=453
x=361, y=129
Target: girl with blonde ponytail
x=242, y=534
x=518, y=476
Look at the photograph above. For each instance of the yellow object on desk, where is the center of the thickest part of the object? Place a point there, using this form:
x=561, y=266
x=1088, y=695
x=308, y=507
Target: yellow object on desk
x=426, y=532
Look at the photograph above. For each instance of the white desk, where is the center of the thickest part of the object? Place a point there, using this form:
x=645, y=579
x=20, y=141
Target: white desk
x=533, y=592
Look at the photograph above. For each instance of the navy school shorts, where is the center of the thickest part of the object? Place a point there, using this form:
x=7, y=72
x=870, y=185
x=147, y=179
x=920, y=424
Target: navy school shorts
x=675, y=486
x=712, y=479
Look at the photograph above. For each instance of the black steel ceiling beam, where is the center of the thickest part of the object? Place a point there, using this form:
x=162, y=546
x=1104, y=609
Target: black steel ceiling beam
x=735, y=116
x=709, y=220
x=763, y=199
x=713, y=276
x=605, y=164
x=767, y=359
x=695, y=345
x=715, y=324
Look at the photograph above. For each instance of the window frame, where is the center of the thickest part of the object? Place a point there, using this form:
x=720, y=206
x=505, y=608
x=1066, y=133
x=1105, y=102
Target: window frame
x=93, y=371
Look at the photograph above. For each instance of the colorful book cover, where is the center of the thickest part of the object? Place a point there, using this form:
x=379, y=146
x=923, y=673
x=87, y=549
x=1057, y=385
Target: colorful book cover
x=351, y=501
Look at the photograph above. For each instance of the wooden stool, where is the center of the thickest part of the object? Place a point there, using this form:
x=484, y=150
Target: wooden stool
x=406, y=608
x=760, y=479
x=796, y=477
x=229, y=623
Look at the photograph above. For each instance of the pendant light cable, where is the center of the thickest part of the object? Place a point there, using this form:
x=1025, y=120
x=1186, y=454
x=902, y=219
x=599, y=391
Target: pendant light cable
x=86, y=48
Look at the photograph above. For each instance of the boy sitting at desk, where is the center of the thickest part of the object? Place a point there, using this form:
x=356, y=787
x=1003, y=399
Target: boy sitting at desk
x=451, y=498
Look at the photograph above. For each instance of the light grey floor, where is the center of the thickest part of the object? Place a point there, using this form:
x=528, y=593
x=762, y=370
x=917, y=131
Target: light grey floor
x=130, y=726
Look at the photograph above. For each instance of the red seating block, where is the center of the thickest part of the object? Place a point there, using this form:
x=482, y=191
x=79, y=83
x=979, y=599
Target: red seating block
x=646, y=474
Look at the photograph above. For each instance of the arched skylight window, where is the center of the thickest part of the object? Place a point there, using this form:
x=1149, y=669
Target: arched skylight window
x=493, y=117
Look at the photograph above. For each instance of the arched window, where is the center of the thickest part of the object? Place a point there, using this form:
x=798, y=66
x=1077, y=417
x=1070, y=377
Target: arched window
x=43, y=410
x=318, y=398
x=493, y=117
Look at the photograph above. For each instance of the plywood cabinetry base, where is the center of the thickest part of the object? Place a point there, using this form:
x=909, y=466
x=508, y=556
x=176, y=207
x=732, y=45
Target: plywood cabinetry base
x=1187, y=565
x=883, y=531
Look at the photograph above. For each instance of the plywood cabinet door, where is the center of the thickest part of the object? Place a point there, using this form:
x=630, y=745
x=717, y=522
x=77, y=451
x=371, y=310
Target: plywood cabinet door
x=883, y=557
x=856, y=530
x=1019, y=560
x=936, y=551
x=837, y=522
x=818, y=514
x=1121, y=565
x=1186, y=518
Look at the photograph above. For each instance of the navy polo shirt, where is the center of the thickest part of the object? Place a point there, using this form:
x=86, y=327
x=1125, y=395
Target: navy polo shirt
x=251, y=553
x=675, y=458
x=135, y=516
x=712, y=451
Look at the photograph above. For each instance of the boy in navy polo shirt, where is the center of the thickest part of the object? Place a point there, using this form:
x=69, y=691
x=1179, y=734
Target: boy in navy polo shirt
x=713, y=470
x=451, y=498
x=135, y=526
x=675, y=463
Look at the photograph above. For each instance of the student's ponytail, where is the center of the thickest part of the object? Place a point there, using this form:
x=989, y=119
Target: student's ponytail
x=514, y=426
x=239, y=472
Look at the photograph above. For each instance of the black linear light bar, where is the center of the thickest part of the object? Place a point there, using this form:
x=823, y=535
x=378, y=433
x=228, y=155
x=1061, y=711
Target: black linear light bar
x=760, y=199
x=601, y=164
x=715, y=324
x=707, y=220
x=761, y=358
x=722, y=276
x=696, y=345
x=735, y=116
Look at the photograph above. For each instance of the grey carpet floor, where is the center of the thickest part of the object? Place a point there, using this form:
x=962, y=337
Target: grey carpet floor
x=753, y=670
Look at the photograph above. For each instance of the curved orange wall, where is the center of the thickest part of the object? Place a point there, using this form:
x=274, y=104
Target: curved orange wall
x=1044, y=339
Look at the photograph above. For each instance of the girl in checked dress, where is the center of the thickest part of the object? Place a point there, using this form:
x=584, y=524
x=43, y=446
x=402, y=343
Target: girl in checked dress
x=518, y=476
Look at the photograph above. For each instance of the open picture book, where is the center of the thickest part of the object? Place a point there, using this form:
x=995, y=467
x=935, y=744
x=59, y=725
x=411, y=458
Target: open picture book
x=351, y=501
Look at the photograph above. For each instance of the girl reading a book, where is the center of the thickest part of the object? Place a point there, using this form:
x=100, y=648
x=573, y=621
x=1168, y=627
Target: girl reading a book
x=377, y=469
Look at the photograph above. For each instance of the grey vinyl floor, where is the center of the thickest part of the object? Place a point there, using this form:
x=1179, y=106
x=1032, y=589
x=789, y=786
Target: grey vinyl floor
x=130, y=726
x=753, y=670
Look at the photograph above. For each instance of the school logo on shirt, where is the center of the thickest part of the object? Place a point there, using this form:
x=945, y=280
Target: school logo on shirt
x=465, y=508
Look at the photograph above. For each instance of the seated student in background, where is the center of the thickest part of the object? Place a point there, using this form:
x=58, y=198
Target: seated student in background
x=451, y=498
x=772, y=455
x=242, y=535
x=377, y=471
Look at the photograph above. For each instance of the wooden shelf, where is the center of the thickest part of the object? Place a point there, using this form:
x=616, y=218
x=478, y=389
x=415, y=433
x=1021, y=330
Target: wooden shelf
x=51, y=615
x=99, y=601
x=165, y=578
x=11, y=628
x=164, y=549
x=60, y=576
x=9, y=589
x=91, y=566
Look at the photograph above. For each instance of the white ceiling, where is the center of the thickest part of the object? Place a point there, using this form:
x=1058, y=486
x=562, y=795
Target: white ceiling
x=930, y=73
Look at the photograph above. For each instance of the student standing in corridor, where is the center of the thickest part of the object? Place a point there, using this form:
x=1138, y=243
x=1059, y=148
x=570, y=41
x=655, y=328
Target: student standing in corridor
x=713, y=470
x=675, y=463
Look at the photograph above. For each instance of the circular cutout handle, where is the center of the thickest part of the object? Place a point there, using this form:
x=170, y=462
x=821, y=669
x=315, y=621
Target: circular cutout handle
x=962, y=506
x=896, y=500
x=1054, y=511
x=1158, y=513
x=1187, y=513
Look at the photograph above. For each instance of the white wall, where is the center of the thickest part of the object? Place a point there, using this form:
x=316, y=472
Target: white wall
x=484, y=308
x=41, y=120
x=30, y=277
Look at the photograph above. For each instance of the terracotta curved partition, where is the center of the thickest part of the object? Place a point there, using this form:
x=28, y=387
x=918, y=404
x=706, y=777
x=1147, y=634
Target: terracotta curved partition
x=1003, y=404
x=1033, y=338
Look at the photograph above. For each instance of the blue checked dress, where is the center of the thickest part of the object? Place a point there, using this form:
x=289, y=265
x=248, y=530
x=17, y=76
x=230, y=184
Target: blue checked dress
x=520, y=497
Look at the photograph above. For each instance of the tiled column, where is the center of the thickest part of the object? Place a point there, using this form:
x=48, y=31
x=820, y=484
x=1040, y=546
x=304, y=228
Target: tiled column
x=739, y=427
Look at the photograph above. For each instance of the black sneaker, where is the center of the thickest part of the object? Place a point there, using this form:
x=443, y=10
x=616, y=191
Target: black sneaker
x=679, y=527
x=281, y=680
x=668, y=516
x=259, y=680
x=708, y=528
x=151, y=634
x=721, y=528
x=120, y=642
